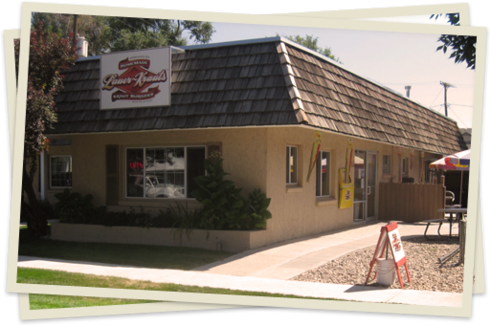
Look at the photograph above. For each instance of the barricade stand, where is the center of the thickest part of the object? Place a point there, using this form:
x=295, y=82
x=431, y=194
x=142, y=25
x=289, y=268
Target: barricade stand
x=390, y=237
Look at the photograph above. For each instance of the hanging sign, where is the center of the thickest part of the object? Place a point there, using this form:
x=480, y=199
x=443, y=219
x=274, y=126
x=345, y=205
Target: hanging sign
x=390, y=237
x=346, y=192
x=314, y=153
x=348, y=161
x=133, y=79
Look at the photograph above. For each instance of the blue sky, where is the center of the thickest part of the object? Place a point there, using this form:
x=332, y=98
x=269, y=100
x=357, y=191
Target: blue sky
x=392, y=59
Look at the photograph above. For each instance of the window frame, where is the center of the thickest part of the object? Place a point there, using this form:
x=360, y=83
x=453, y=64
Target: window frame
x=386, y=164
x=318, y=177
x=288, y=166
x=51, y=157
x=404, y=166
x=185, y=147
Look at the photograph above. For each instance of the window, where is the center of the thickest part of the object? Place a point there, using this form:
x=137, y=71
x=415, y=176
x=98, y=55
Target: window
x=386, y=164
x=163, y=172
x=60, y=171
x=291, y=165
x=404, y=166
x=323, y=174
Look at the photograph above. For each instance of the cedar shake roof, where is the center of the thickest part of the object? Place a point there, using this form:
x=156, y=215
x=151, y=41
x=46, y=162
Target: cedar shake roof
x=270, y=81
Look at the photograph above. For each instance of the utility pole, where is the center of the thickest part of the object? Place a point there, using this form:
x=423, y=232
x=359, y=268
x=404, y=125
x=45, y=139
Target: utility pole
x=446, y=86
x=75, y=18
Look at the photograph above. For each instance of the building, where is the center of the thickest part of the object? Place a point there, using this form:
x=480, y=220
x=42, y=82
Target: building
x=466, y=132
x=260, y=103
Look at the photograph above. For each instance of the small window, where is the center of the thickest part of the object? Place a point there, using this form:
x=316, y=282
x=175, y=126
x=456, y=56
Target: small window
x=323, y=174
x=291, y=165
x=386, y=164
x=60, y=171
x=404, y=166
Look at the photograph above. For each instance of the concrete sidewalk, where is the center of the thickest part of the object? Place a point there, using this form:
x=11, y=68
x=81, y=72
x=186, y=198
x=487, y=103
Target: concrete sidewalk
x=267, y=269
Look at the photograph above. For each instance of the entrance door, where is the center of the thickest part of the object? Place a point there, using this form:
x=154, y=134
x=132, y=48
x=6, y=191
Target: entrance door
x=364, y=185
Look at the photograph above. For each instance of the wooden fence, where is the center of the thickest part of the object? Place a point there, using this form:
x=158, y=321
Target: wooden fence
x=410, y=202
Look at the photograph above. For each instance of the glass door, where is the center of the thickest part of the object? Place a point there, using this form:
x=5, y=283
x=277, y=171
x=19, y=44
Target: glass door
x=371, y=185
x=365, y=181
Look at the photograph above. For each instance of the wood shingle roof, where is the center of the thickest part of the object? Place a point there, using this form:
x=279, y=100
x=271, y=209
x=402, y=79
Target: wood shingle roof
x=257, y=84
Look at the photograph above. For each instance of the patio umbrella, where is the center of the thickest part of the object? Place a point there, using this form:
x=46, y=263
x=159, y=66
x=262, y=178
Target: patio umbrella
x=459, y=161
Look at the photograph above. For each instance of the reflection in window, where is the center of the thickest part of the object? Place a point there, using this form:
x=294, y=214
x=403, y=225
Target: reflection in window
x=323, y=174
x=386, y=164
x=162, y=172
x=291, y=165
x=61, y=171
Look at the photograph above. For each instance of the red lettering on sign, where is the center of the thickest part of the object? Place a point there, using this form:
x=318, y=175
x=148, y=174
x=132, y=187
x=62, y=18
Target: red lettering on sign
x=135, y=165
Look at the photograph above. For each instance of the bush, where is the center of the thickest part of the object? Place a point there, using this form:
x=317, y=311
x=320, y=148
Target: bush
x=75, y=208
x=223, y=206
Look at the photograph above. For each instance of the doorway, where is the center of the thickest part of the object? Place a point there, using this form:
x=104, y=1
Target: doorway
x=365, y=185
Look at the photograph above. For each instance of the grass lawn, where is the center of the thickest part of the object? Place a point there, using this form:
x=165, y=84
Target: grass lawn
x=48, y=277
x=121, y=254
x=48, y=301
x=131, y=255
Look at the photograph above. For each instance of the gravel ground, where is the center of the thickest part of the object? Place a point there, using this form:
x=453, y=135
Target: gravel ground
x=425, y=271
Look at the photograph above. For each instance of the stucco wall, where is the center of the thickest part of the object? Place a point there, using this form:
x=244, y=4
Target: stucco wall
x=244, y=153
x=255, y=158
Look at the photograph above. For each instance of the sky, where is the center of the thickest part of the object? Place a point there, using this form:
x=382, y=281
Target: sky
x=392, y=59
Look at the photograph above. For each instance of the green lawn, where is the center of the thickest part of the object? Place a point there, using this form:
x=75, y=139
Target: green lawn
x=48, y=277
x=48, y=301
x=131, y=255
x=121, y=254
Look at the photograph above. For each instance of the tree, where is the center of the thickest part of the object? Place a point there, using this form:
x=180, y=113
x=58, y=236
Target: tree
x=463, y=47
x=312, y=43
x=111, y=34
x=49, y=54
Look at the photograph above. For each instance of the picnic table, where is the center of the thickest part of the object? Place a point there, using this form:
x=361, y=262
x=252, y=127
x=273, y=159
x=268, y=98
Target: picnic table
x=459, y=216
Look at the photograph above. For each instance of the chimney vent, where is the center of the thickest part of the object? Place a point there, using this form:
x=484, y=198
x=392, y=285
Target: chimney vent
x=407, y=88
x=82, y=46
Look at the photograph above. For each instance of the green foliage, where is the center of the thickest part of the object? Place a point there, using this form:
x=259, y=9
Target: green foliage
x=462, y=47
x=223, y=206
x=49, y=54
x=75, y=208
x=258, y=204
x=110, y=34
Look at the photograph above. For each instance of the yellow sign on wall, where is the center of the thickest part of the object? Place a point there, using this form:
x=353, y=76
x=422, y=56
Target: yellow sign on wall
x=346, y=192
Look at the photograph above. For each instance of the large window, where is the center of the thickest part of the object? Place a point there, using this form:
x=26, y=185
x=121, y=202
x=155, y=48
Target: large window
x=323, y=174
x=163, y=172
x=291, y=165
x=60, y=171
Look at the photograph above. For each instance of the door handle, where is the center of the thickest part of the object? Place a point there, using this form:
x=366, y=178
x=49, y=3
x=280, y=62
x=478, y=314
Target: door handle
x=368, y=190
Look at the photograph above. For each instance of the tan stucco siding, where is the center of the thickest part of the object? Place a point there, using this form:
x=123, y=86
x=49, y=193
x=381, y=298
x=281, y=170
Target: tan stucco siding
x=255, y=158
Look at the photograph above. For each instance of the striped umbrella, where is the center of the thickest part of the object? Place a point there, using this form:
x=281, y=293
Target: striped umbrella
x=459, y=161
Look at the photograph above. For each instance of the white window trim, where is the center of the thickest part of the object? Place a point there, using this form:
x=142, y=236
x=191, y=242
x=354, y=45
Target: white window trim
x=144, y=153
x=329, y=175
x=50, y=172
x=288, y=166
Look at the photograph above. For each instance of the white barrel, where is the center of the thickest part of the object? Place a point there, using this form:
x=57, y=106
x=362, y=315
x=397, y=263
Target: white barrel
x=386, y=271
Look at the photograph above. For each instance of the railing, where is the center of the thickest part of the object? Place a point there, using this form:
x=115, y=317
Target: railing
x=410, y=202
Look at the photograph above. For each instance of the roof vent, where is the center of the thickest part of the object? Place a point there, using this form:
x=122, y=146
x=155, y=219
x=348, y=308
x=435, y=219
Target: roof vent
x=82, y=46
x=407, y=88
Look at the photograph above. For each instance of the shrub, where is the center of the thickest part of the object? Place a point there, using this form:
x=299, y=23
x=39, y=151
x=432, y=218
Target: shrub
x=75, y=208
x=223, y=206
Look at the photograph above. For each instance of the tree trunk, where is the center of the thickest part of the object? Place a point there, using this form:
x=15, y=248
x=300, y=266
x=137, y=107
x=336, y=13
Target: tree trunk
x=37, y=224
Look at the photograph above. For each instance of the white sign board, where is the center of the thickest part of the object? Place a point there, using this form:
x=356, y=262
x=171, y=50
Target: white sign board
x=133, y=79
x=396, y=245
